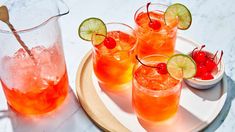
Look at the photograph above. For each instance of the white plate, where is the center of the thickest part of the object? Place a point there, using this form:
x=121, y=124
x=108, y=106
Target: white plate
x=113, y=112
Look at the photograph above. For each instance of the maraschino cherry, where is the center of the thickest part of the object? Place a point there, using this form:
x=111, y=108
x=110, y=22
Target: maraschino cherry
x=205, y=64
x=109, y=42
x=201, y=68
x=154, y=24
x=207, y=76
x=199, y=56
x=162, y=68
x=211, y=64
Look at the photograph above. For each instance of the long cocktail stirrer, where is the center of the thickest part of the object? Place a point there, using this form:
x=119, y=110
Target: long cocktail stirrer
x=4, y=16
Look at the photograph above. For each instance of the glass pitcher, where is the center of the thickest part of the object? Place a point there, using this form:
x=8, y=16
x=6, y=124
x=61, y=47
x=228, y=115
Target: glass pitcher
x=38, y=84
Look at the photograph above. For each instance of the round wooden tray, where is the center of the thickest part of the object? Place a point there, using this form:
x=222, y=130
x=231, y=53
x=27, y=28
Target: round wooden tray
x=198, y=108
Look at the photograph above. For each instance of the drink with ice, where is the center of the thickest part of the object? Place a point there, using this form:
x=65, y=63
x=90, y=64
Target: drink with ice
x=32, y=66
x=155, y=96
x=35, y=88
x=157, y=39
x=113, y=67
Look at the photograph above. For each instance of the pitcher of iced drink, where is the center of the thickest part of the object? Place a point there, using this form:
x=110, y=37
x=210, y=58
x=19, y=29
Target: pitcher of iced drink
x=34, y=78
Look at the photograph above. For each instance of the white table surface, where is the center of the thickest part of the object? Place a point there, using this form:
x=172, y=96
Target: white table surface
x=213, y=25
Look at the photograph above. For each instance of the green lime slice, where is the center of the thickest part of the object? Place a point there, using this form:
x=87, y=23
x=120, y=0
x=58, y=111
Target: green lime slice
x=181, y=66
x=180, y=12
x=91, y=26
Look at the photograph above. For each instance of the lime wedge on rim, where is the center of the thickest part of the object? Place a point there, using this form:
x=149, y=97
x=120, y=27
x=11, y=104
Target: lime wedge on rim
x=181, y=66
x=91, y=26
x=180, y=12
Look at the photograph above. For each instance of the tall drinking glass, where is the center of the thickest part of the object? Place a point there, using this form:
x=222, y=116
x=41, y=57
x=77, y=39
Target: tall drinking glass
x=113, y=67
x=38, y=84
x=154, y=41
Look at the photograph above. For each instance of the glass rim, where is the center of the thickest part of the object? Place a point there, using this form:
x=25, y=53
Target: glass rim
x=41, y=24
x=150, y=91
x=172, y=26
x=143, y=6
x=123, y=24
x=152, y=55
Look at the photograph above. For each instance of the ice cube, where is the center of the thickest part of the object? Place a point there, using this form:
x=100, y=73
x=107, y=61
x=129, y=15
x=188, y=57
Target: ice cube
x=125, y=46
x=17, y=70
x=20, y=72
x=102, y=50
x=121, y=55
x=114, y=34
x=36, y=51
x=20, y=54
x=51, y=63
x=22, y=77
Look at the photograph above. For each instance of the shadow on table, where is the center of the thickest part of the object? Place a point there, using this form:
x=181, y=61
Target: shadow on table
x=225, y=110
x=67, y=116
x=122, y=98
x=211, y=94
x=182, y=122
x=4, y=114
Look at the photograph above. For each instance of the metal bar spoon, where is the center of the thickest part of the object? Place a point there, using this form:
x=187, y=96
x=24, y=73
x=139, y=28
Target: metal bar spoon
x=4, y=17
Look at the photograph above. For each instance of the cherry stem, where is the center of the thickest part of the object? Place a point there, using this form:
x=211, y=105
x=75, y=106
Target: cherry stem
x=194, y=51
x=221, y=55
x=203, y=46
x=215, y=55
x=100, y=35
x=147, y=6
x=143, y=63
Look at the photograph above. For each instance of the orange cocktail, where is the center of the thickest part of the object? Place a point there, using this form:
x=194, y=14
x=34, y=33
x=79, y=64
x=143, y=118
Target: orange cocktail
x=113, y=67
x=159, y=39
x=35, y=88
x=155, y=96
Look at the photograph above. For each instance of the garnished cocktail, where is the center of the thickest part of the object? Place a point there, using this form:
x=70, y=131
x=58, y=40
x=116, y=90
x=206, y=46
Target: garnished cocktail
x=113, y=67
x=113, y=52
x=157, y=85
x=157, y=29
x=159, y=38
x=155, y=94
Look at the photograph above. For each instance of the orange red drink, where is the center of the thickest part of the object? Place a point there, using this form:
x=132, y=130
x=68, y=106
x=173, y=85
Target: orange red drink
x=155, y=96
x=31, y=88
x=113, y=67
x=159, y=39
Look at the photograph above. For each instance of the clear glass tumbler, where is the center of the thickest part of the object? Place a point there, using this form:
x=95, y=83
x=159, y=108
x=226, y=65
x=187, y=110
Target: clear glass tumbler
x=113, y=67
x=154, y=41
x=155, y=96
